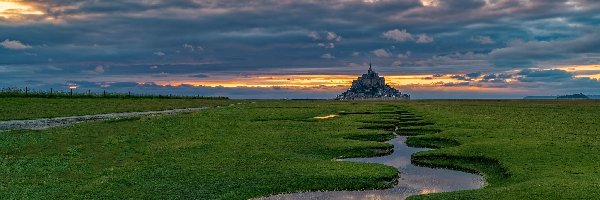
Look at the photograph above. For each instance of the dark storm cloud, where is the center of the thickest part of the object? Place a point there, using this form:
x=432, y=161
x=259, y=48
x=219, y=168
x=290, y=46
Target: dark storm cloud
x=467, y=77
x=455, y=84
x=164, y=38
x=554, y=75
x=200, y=76
x=496, y=78
x=490, y=76
x=523, y=54
x=460, y=77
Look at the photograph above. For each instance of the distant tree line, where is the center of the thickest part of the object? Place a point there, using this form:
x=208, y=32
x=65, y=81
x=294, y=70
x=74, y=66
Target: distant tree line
x=573, y=96
x=28, y=92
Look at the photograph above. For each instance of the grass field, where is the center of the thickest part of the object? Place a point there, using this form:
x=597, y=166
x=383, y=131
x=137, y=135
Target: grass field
x=234, y=152
x=13, y=108
x=526, y=149
x=549, y=148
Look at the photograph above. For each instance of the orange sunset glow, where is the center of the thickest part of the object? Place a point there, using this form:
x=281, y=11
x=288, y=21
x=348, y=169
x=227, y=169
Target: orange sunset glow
x=335, y=83
x=300, y=99
x=306, y=81
x=583, y=71
x=249, y=49
x=17, y=9
x=576, y=68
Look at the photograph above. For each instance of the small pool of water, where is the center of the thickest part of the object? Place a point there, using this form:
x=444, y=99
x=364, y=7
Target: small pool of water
x=413, y=180
x=326, y=117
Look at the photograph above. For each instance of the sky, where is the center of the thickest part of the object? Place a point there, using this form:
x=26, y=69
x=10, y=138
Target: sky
x=430, y=49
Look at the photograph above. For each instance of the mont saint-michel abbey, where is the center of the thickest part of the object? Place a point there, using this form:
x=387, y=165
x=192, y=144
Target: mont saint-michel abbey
x=371, y=86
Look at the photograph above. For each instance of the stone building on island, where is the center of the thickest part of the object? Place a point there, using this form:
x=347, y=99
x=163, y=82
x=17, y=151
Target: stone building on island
x=371, y=86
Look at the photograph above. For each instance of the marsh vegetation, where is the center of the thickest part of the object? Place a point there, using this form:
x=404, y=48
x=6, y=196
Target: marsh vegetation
x=525, y=149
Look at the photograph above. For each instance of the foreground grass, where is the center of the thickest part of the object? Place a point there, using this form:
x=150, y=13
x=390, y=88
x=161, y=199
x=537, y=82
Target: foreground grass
x=234, y=152
x=526, y=149
x=546, y=149
x=13, y=108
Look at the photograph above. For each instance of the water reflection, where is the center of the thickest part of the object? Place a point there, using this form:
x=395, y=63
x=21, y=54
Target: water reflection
x=414, y=180
x=326, y=117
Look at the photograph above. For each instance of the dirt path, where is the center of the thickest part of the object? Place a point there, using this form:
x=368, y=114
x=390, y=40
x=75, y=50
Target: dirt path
x=39, y=124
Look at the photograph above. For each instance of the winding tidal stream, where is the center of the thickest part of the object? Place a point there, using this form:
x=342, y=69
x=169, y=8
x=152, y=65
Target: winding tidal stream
x=413, y=180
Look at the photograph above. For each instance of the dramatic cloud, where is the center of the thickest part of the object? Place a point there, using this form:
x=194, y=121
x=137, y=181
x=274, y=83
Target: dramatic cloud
x=200, y=76
x=422, y=38
x=314, y=35
x=164, y=41
x=484, y=40
x=430, y=3
x=381, y=53
x=193, y=48
x=331, y=36
x=525, y=54
x=398, y=35
x=326, y=40
x=403, y=35
x=326, y=45
x=14, y=44
x=327, y=56
x=98, y=70
x=404, y=55
x=553, y=75
x=467, y=77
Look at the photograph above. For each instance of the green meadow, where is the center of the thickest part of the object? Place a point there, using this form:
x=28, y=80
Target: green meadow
x=13, y=108
x=525, y=149
x=547, y=149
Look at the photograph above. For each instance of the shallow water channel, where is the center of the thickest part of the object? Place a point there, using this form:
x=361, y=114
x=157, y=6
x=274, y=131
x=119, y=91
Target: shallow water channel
x=413, y=180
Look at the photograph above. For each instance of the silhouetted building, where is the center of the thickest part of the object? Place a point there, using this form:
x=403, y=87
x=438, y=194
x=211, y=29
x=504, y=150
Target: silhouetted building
x=371, y=86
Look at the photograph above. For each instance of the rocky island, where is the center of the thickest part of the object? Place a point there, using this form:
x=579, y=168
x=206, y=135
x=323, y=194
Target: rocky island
x=371, y=86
